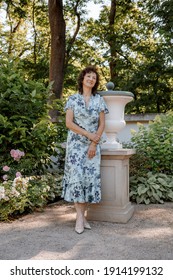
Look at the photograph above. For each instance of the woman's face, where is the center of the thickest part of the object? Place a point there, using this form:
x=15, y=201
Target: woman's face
x=89, y=80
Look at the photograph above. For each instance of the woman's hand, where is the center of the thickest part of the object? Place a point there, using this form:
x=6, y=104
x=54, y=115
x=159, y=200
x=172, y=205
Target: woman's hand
x=92, y=150
x=93, y=137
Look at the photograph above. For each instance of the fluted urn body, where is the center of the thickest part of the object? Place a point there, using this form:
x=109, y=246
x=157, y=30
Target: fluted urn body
x=114, y=121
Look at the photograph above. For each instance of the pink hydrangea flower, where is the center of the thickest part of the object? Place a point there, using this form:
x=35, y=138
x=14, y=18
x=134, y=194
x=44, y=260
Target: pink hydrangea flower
x=5, y=177
x=13, y=153
x=17, y=154
x=18, y=174
x=6, y=168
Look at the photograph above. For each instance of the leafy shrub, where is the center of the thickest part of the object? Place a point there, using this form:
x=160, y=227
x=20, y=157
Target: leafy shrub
x=13, y=197
x=42, y=190
x=154, y=145
x=22, y=194
x=28, y=140
x=153, y=188
x=151, y=168
x=24, y=121
x=26, y=194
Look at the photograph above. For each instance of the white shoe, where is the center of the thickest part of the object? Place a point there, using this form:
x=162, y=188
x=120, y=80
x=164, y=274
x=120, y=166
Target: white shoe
x=79, y=228
x=86, y=224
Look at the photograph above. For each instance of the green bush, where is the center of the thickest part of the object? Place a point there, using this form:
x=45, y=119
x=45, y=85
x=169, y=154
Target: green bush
x=151, y=168
x=151, y=188
x=13, y=197
x=23, y=195
x=25, y=123
x=154, y=145
x=28, y=140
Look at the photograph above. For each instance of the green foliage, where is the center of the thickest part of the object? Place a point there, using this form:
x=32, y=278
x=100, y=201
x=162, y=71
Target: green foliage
x=142, y=60
x=42, y=190
x=13, y=197
x=25, y=123
x=23, y=195
x=155, y=144
x=28, y=142
x=151, y=169
x=152, y=188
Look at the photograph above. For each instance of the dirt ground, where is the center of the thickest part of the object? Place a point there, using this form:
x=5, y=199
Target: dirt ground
x=50, y=235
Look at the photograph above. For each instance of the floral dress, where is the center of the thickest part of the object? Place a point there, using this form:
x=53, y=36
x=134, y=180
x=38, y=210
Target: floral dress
x=81, y=181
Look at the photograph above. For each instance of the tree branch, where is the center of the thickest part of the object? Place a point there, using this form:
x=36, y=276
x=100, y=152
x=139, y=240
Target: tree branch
x=73, y=38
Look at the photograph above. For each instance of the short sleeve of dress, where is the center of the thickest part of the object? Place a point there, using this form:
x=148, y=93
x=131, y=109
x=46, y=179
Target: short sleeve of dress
x=103, y=107
x=69, y=104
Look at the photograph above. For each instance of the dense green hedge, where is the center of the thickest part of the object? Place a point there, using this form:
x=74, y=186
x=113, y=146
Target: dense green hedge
x=24, y=121
x=151, y=169
x=28, y=140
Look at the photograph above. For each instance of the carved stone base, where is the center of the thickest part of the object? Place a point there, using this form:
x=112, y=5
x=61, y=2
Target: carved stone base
x=115, y=205
x=110, y=214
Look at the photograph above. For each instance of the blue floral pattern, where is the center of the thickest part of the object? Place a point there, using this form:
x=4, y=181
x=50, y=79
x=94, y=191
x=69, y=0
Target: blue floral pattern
x=81, y=180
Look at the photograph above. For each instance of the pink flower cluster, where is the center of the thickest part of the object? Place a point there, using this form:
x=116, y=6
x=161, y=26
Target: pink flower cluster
x=16, y=154
x=5, y=177
x=18, y=174
x=6, y=168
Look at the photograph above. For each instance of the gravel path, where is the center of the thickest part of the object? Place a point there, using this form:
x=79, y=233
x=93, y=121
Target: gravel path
x=50, y=235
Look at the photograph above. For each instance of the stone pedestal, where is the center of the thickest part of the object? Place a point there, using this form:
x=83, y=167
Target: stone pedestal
x=115, y=205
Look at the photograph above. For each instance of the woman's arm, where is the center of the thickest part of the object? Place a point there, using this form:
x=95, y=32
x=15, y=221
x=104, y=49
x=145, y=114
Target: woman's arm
x=77, y=129
x=92, y=146
x=101, y=124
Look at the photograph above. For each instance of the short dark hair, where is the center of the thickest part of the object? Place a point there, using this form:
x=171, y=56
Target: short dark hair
x=88, y=69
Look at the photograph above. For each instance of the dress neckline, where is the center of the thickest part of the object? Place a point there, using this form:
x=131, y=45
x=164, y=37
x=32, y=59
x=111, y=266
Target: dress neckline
x=88, y=103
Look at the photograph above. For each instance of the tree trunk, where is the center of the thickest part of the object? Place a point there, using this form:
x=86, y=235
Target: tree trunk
x=57, y=60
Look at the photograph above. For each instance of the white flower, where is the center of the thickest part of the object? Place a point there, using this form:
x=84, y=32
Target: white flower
x=19, y=181
x=14, y=192
x=2, y=193
x=47, y=188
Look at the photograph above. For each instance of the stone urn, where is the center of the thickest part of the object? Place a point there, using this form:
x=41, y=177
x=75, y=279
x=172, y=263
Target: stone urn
x=114, y=121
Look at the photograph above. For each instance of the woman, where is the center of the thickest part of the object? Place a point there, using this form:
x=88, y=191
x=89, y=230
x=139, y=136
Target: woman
x=85, y=119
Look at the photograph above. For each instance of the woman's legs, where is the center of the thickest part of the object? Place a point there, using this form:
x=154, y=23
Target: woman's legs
x=86, y=224
x=80, y=210
x=81, y=221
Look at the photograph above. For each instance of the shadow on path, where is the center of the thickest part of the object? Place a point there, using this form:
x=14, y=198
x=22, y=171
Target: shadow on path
x=50, y=235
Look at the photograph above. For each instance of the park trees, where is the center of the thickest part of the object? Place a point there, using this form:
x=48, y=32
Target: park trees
x=136, y=53
x=25, y=35
x=130, y=41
